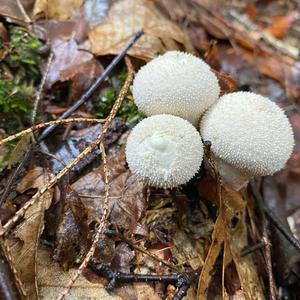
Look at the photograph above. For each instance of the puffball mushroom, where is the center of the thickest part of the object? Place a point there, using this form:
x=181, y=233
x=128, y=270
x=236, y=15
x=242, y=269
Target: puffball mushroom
x=250, y=136
x=176, y=83
x=164, y=151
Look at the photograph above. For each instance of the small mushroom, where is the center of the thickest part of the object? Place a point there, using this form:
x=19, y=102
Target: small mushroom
x=250, y=136
x=176, y=83
x=164, y=151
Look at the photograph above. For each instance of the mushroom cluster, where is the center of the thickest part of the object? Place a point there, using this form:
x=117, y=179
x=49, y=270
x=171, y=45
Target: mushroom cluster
x=250, y=135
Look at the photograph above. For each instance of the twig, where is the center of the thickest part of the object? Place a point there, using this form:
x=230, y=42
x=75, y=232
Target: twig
x=83, y=154
x=23, y=11
x=42, y=125
x=95, y=85
x=41, y=88
x=182, y=281
x=274, y=219
x=99, y=233
x=265, y=239
x=247, y=250
x=280, y=226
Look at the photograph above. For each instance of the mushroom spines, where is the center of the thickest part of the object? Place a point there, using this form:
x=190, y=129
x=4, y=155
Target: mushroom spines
x=249, y=132
x=164, y=151
x=176, y=83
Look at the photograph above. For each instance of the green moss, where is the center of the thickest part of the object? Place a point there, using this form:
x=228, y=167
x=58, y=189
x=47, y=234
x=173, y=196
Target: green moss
x=19, y=69
x=104, y=103
x=15, y=105
x=24, y=53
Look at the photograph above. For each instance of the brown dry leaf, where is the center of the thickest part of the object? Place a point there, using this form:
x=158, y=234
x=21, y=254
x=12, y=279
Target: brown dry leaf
x=19, y=150
x=56, y=9
x=127, y=203
x=73, y=232
x=24, y=240
x=125, y=18
x=230, y=234
x=71, y=63
x=51, y=281
x=281, y=24
x=13, y=10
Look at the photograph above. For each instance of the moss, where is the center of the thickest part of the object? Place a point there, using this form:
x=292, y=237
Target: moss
x=103, y=104
x=20, y=74
x=24, y=53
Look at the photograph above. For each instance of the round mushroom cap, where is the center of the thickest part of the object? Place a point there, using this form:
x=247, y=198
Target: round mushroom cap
x=164, y=151
x=248, y=132
x=176, y=83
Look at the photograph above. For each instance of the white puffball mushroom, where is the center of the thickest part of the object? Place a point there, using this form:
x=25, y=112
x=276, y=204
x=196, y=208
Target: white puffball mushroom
x=164, y=151
x=250, y=136
x=175, y=83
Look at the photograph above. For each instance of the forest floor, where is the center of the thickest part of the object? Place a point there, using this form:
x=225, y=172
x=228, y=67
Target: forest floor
x=76, y=223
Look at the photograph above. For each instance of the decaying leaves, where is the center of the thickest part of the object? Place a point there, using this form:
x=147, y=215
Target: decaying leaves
x=229, y=238
x=160, y=35
x=56, y=9
x=24, y=240
x=72, y=63
x=127, y=203
x=51, y=280
x=19, y=150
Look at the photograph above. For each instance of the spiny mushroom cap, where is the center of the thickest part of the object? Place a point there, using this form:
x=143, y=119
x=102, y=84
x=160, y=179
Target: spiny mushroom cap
x=249, y=132
x=176, y=83
x=164, y=151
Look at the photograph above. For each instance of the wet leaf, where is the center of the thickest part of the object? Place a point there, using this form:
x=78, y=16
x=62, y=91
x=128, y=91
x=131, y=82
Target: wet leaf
x=70, y=63
x=51, y=281
x=127, y=203
x=72, y=236
x=229, y=236
x=24, y=240
x=56, y=9
x=12, y=10
x=160, y=33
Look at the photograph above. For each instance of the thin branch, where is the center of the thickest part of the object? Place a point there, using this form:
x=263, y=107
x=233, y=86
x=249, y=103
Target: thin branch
x=41, y=88
x=42, y=125
x=265, y=239
x=95, y=85
x=274, y=219
x=182, y=280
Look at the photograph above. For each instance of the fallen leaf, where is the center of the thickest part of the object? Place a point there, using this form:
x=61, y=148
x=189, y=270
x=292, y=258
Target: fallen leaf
x=19, y=150
x=72, y=236
x=12, y=10
x=24, y=240
x=160, y=35
x=51, y=281
x=229, y=236
x=70, y=62
x=56, y=9
x=127, y=203
x=281, y=24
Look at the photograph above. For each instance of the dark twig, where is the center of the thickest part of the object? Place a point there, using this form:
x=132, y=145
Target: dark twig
x=247, y=250
x=95, y=85
x=182, y=281
x=70, y=111
x=275, y=220
x=265, y=237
